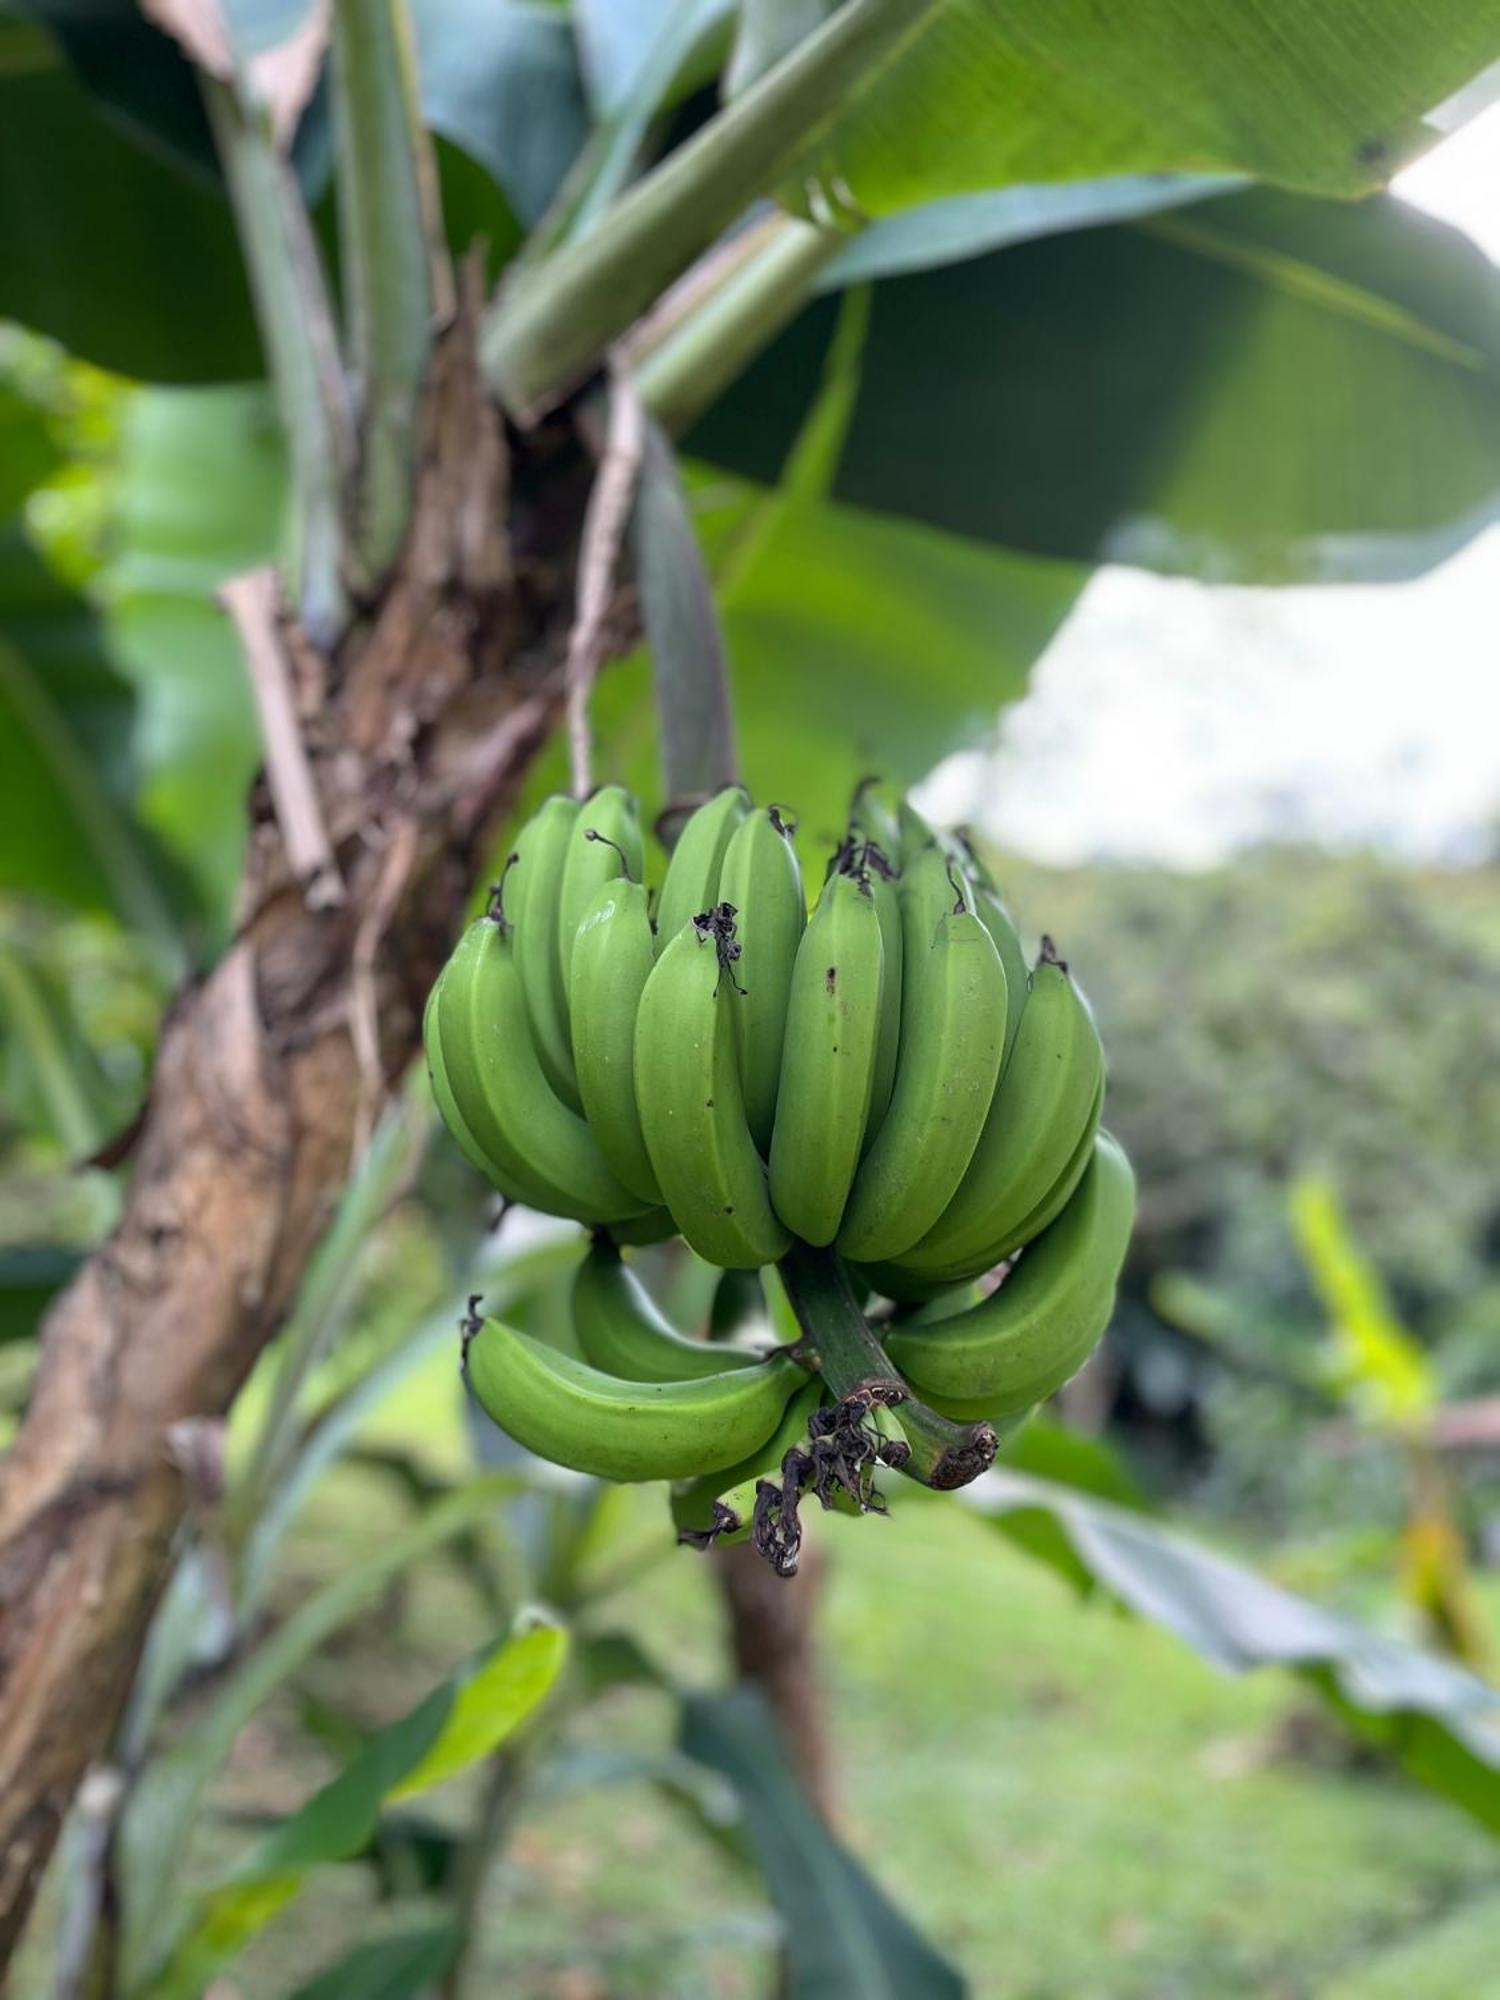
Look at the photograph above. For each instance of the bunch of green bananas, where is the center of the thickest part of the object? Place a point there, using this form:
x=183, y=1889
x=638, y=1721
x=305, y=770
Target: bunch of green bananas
x=880, y=1096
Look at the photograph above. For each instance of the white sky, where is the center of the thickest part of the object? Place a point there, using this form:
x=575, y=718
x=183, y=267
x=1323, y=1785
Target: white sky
x=1175, y=722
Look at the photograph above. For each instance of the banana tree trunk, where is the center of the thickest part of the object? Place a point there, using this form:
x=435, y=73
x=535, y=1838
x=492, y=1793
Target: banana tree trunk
x=392, y=762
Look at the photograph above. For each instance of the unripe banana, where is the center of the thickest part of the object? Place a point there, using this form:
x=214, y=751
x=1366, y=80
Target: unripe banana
x=481, y=1141
x=1030, y=1336
x=882, y=879
x=692, y=880
x=501, y=1092
x=533, y=888
x=997, y=920
x=915, y=834
x=687, y=1085
x=762, y=883
x=655, y=1226
x=566, y=1411
x=952, y=1029
x=720, y=1507
x=604, y=846
x=437, y=1076
x=613, y=953
x=1035, y=1122
x=828, y=1061
x=896, y=1281
x=622, y=1331
x=1047, y=1210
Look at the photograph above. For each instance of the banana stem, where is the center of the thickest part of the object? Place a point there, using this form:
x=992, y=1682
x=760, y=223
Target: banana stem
x=853, y=1363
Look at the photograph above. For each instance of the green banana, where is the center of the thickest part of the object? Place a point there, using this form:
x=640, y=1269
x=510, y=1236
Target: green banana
x=613, y=953
x=997, y=920
x=501, y=1092
x=720, y=1506
x=1038, y=1115
x=882, y=879
x=575, y=1415
x=692, y=879
x=952, y=1029
x=605, y=845
x=828, y=1061
x=622, y=1331
x=687, y=1085
x=535, y=884
x=452, y=1117
x=1049, y=1207
x=894, y=1281
x=654, y=1226
x=1022, y=1343
x=762, y=883
x=510, y=1171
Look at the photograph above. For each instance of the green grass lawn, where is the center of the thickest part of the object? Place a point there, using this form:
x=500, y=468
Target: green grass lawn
x=1075, y=1806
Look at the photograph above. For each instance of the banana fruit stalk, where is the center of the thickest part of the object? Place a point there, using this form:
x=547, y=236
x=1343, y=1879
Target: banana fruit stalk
x=882, y=1098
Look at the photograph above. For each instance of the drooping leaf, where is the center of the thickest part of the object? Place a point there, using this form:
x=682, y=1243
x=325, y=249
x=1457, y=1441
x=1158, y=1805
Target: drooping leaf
x=823, y=617
x=638, y=60
x=890, y=104
x=961, y=95
x=159, y=1820
x=842, y=1936
x=1043, y=1448
x=969, y=225
x=134, y=213
x=398, y=1967
x=104, y=245
x=461, y=1721
x=769, y=30
x=1437, y=1720
x=139, y=73
x=1288, y=391
x=694, y=724
x=145, y=83
x=500, y=79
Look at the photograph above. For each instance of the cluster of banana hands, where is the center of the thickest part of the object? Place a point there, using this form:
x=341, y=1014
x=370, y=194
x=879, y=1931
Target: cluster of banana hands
x=880, y=1099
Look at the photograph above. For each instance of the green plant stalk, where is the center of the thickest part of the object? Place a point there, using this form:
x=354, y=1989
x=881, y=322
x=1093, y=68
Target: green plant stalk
x=713, y=343
x=387, y=260
x=296, y=325
x=323, y=1291
x=697, y=32
x=161, y=1815
x=546, y=333
x=853, y=1362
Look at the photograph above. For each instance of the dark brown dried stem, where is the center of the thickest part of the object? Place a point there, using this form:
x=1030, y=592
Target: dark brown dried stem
x=853, y=1362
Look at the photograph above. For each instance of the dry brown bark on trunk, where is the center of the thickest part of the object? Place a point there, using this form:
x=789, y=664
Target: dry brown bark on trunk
x=417, y=734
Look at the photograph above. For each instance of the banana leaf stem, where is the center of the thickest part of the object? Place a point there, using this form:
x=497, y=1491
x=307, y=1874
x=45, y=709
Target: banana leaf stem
x=944, y=1454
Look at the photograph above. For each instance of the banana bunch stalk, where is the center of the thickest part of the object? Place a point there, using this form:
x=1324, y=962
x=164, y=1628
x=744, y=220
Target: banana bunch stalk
x=878, y=1095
